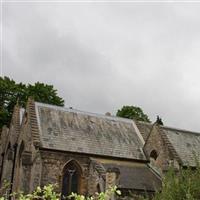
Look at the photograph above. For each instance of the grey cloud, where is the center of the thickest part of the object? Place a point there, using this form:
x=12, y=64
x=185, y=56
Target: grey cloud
x=103, y=56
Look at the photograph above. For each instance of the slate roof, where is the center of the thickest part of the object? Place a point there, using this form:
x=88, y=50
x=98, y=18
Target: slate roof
x=144, y=128
x=135, y=176
x=185, y=143
x=76, y=131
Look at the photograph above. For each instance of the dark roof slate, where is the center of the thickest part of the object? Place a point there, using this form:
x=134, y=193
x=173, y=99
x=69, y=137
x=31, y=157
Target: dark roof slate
x=185, y=143
x=76, y=131
x=144, y=128
x=136, y=176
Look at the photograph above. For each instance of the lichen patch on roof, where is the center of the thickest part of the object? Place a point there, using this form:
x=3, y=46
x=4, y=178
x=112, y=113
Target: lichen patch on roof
x=76, y=131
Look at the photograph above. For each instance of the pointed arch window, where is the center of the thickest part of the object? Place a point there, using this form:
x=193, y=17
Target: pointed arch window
x=71, y=178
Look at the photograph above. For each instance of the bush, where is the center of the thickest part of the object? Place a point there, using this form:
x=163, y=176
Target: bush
x=48, y=193
x=184, y=185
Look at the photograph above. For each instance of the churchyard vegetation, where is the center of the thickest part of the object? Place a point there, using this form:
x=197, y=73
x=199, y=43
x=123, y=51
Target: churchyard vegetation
x=133, y=112
x=49, y=193
x=182, y=185
x=12, y=92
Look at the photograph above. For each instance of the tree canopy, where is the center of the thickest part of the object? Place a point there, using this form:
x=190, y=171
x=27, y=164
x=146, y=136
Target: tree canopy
x=133, y=112
x=11, y=92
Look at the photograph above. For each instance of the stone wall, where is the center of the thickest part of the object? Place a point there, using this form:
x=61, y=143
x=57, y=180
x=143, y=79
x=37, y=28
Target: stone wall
x=8, y=139
x=96, y=179
x=36, y=170
x=155, y=142
x=3, y=143
x=53, y=164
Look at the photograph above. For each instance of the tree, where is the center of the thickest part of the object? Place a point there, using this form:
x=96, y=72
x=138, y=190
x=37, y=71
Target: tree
x=133, y=112
x=49, y=192
x=44, y=93
x=11, y=92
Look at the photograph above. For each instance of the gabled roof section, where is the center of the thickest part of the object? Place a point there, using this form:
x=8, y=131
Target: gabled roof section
x=185, y=143
x=144, y=128
x=31, y=109
x=15, y=122
x=82, y=132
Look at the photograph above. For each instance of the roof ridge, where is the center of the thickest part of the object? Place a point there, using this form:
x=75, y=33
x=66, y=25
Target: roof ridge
x=181, y=130
x=85, y=112
x=169, y=127
x=16, y=118
x=142, y=122
x=33, y=122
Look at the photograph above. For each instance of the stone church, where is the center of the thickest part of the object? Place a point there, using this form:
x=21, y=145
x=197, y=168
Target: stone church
x=167, y=146
x=86, y=153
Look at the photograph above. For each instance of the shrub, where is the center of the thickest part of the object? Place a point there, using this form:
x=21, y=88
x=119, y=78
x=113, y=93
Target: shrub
x=48, y=193
x=184, y=185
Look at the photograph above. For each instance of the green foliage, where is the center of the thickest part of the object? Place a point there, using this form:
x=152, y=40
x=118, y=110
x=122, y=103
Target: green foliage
x=11, y=92
x=98, y=196
x=3, y=190
x=45, y=193
x=132, y=112
x=44, y=93
x=48, y=193
x=185, y=185
x=182, y=185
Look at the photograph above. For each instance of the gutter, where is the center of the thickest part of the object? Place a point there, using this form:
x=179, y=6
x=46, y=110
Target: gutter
x=94, y=155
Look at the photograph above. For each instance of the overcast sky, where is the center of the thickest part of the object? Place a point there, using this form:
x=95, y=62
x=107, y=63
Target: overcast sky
x=101, y=56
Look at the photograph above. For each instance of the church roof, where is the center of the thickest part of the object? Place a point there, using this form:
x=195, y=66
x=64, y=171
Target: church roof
x=144, y=128
x=185, y=143
x=137, y=176
x=82, y=132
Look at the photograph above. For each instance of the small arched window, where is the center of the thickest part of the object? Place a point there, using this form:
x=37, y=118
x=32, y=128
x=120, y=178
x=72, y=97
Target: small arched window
x=154, y=154
x=71, y=178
